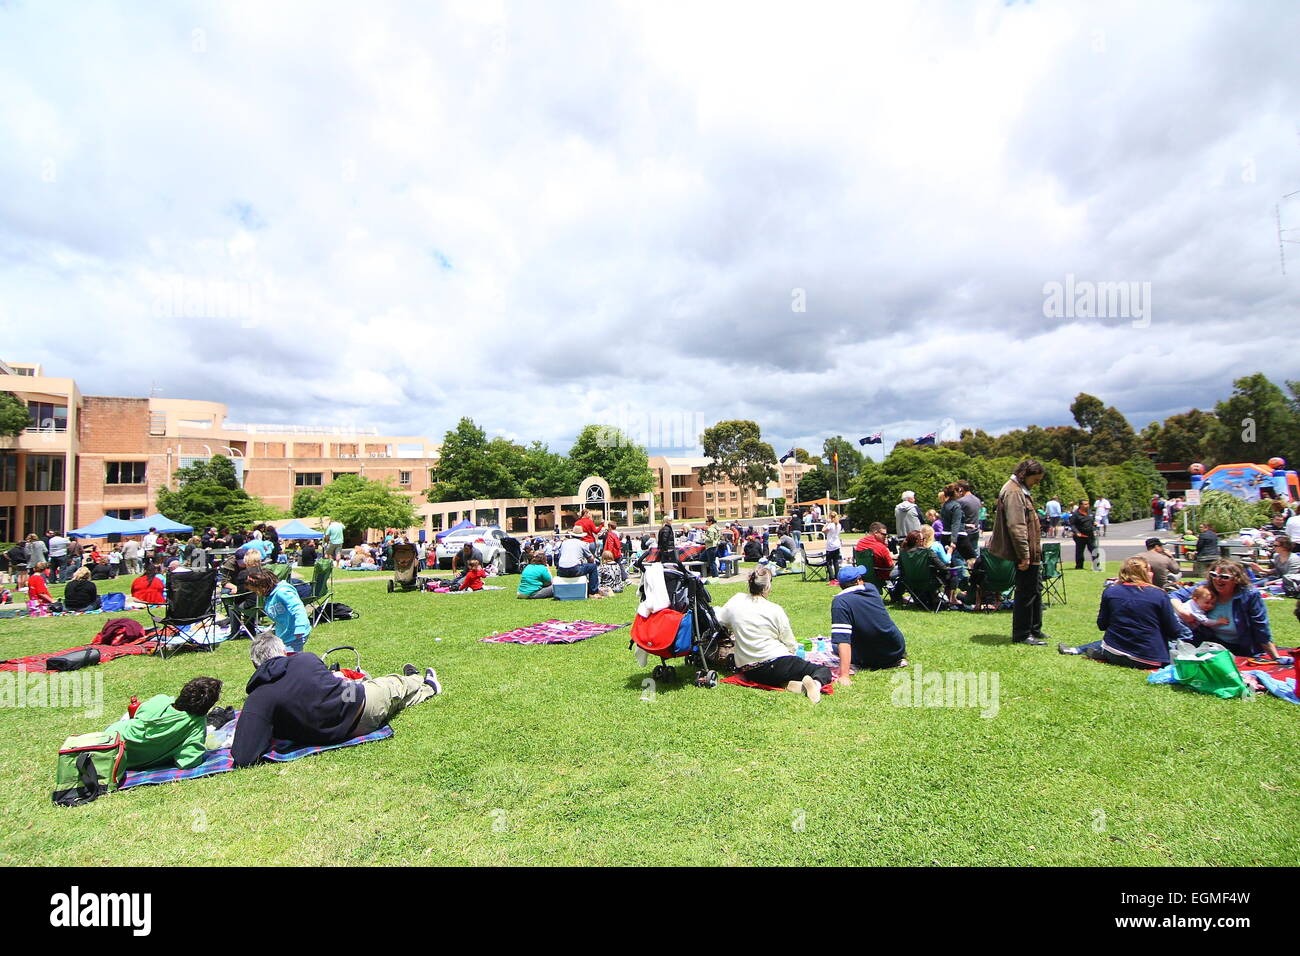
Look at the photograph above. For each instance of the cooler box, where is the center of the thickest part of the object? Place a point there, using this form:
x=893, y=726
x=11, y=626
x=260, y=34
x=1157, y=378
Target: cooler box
x=570, y=589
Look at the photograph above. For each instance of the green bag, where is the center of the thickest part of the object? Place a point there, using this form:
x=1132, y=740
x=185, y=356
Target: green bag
x=89, y=765
x=1216, y=674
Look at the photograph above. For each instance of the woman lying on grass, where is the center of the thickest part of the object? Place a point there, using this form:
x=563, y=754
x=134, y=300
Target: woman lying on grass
x=1138, y=620
x=765, y=644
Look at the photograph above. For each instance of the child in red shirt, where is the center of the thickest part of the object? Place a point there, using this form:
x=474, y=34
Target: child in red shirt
x=474, y=577
x=36, y=588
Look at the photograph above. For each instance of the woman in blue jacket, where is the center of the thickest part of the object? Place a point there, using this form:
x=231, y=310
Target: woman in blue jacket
x=1246, y=631
x=1138, y=620
x=280, y=602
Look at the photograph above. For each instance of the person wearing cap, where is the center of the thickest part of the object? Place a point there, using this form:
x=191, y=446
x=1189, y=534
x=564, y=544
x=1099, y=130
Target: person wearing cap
x=862, y=632
x=907, y=516
x=1164, y=568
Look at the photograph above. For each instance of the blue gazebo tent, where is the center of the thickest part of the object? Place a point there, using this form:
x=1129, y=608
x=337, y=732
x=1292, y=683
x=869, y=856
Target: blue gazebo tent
x=461, y=525
x=160, y=523
x=103, y=528
x=295, y=530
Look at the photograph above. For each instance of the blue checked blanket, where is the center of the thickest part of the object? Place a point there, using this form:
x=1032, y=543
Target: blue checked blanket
x=219, y=761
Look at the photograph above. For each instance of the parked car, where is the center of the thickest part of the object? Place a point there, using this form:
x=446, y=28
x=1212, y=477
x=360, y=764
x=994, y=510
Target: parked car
x=486, y=540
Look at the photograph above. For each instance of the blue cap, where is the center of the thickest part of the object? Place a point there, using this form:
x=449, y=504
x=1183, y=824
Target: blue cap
x=850, y=573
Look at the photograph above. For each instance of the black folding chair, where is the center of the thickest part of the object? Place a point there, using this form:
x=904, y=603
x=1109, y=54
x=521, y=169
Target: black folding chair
x=812, y=570
x=322, y=590
x=191, y=602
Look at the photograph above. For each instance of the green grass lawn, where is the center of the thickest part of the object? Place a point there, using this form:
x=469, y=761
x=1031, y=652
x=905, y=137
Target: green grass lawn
x=549, y=755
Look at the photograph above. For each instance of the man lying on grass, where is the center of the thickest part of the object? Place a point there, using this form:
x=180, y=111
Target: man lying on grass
x=298, y=698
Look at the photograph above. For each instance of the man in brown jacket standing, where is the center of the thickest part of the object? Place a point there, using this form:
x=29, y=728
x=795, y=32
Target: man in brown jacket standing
x=1016, y=537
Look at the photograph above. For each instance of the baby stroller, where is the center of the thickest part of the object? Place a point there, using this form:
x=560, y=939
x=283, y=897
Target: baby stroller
x=687, y=627
x=406, y=567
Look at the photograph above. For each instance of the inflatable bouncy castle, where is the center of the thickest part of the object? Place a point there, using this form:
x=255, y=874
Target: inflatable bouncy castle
x=1249, y=481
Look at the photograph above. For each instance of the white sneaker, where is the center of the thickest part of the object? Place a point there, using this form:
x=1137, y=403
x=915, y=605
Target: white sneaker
x=431, y=678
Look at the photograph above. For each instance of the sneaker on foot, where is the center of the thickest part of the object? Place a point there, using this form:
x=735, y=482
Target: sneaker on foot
x=410, y=670
x=431, y=678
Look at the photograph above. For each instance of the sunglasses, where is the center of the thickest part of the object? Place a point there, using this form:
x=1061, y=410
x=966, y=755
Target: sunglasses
x=1222, y=576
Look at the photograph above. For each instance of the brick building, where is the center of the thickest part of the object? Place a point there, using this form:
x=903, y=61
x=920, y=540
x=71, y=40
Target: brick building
x=677, y=484
x=86, y=456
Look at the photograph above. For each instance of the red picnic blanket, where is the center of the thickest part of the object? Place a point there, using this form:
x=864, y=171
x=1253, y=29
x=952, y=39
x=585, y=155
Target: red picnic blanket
x=35, y=664
x=741, y=682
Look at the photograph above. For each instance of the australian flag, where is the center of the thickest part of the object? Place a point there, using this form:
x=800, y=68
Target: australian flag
x=875, y=439
x=925, y=439
x=787, y=456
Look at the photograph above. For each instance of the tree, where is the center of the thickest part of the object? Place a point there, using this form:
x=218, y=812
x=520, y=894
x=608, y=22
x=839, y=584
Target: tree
x=471, y=467
x=804, y=457
x=1111, y=439
x=739, y=455
x=606, y=451
x=850, y=461
x=209, y=496
x=14, y=416
x=1257, y=422
x=547, y=474
x=1186, y=437
x=362, y=503
x=307, y=503
x=813, y=485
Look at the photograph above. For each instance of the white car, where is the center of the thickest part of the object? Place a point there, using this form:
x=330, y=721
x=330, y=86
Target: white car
x=486, y=540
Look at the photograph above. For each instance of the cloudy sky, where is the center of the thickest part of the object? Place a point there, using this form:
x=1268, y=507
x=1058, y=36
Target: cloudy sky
x=830, y=219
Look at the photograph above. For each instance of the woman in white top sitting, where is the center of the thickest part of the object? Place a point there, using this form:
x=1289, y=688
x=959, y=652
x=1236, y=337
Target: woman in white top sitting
x=764, y=641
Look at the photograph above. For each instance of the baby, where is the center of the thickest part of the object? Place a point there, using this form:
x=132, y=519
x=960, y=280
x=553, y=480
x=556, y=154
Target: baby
x=1202, y=604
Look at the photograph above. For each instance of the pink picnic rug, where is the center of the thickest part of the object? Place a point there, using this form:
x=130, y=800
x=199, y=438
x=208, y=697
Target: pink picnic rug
x=552, y=632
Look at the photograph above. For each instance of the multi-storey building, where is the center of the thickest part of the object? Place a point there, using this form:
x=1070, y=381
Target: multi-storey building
x=677, y=483
x=85, y=456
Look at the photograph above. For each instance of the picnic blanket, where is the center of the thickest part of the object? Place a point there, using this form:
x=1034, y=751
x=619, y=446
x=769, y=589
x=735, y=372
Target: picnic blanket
x=35, y=663
x=486, y=587
x=1259, y=674
x=552, y=632
x=741, y=682
x=220, y=761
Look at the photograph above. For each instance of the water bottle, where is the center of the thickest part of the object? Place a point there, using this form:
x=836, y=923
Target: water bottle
x=800, y=651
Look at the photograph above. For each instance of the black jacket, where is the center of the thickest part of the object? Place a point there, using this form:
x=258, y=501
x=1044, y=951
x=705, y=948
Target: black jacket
x=1084, y=525
x=79, y=595
x=295, y=698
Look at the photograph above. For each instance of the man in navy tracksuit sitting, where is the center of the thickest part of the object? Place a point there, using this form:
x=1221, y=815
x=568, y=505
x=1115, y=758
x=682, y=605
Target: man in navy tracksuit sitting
x=864, y=635
x=298, y=698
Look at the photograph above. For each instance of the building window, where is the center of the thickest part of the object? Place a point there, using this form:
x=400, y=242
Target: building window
x=124, y=472
x=48, y=417
x=708, y=496
x=734, y=495
x=126, y=514
x=340, y=474
x=44, y=473
x=403, y=477
x=38, y=519
x=7, y=523
x=305, y=479
x=8, y=475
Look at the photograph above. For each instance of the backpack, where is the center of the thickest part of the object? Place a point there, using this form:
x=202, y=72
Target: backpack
x=89, y=765
x=334, y=611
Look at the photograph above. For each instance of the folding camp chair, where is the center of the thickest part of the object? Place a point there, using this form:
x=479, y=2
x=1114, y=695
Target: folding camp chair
x=867, y=559
x=191, y=602
x=813, y=566
x=999, y=578
x=243, y=611
x=282, y=572
x=322, y=590
x=916, y=576
x=1053, y=574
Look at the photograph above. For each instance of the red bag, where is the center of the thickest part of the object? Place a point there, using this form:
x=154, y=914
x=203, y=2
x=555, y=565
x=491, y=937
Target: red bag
x=120, y=630
x=656, y=633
